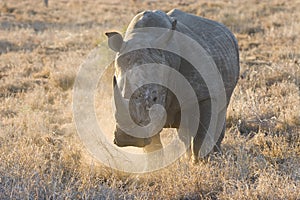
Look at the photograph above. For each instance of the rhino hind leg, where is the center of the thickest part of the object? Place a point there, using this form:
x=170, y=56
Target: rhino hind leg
x=205, y=117
x=205, y=114
x=217, y=147
x=222, y=125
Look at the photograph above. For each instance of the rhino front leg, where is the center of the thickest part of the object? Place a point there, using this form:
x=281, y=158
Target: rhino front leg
x=153, y=162
x=154, y=145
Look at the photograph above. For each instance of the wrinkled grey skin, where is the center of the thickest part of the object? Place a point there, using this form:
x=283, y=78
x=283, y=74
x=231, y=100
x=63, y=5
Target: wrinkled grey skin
x=215, y=38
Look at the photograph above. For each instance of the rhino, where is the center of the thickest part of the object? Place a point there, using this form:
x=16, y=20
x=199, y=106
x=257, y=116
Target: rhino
x=219, y=43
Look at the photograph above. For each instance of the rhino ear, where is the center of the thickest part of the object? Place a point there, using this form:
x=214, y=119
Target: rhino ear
x=115, y=40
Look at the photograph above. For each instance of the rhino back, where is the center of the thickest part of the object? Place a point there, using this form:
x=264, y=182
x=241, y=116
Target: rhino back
x=219, y=43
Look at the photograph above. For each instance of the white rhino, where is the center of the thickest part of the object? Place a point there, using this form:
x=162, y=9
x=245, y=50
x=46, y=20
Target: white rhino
x=218, y=42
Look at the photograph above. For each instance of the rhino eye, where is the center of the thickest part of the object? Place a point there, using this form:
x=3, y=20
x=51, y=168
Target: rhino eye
x=154, y=99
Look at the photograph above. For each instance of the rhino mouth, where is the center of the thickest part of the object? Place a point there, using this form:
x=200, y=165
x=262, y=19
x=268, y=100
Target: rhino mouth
x=139, y=142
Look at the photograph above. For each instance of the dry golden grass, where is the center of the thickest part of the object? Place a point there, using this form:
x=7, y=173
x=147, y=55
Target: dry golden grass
x=41, y=156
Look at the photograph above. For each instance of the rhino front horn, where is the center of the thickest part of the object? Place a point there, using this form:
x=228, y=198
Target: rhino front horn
x=120, y=103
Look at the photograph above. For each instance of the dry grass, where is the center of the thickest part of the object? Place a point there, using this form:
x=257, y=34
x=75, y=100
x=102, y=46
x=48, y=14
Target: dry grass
x=41, y=156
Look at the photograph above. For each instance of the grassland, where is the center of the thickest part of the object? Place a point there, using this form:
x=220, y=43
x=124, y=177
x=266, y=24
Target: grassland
x=41, y=156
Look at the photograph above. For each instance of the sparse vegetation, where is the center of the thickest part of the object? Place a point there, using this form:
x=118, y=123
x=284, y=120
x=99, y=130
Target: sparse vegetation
x=41, y=156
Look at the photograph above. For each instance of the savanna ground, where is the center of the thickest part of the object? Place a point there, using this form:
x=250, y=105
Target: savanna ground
x=41, y=156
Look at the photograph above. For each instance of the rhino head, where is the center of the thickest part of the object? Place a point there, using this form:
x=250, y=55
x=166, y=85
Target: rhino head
x=138, y=101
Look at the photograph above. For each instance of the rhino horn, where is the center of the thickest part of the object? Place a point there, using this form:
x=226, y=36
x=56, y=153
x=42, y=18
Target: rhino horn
x=120, y=103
